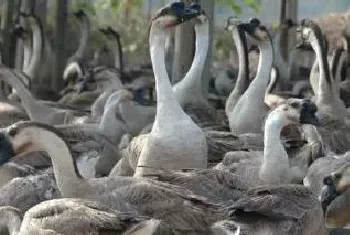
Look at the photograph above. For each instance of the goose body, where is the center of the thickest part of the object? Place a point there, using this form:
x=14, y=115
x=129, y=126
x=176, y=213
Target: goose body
x=256, y=169
x=172, y=127
x=249, y=113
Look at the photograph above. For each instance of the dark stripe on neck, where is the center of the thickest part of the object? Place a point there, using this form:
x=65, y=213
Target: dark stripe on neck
x=243, y=41
x=321, y=41
x=335, y=61
x=38, y=22
x=120, y=49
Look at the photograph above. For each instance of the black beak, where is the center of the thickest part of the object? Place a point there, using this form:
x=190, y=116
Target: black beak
x=80, y=13
x=185, y=13
x=304, y=46
x=18, y=31
x=329, y=193
x=308, y=113
x=253, y=48
x=6, y=149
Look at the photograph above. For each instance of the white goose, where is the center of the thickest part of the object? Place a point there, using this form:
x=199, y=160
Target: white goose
x=250, y=111
x=189, y=91
x=175, y=141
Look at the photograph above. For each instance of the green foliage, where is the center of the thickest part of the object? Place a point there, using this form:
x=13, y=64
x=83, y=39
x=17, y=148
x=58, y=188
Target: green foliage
x=254, y=4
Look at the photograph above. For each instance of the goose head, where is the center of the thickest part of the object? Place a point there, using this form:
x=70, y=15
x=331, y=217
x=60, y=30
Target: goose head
x=311, y=34
x=79, y=14
x=335, y=198
x=20, y=32
x=174, y=14
x=297, y=111
x=232, y=23
x=110, y=33
x=256, y=33
x=19, y=138
x=121, y=95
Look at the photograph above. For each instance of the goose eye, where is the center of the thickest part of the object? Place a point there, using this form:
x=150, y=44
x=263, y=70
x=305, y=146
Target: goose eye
x=337, y=176
x=263, y=192
x=295, y=105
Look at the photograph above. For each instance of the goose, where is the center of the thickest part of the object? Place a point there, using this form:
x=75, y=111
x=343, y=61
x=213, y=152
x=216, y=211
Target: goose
x=256, y=169
x=188, y=91
x=74, y=69
x=245, y=107
x=88, y=217
x=136, y=116
x=285, y=209
x=323, y=167
x=242, y=81
x=335, y=198
x=339, y=68
x=189, y=211
x=114, y=43
x=38, y=45
x=112, y=125
x=332, y=111
x=36, y=110
x=161, y=147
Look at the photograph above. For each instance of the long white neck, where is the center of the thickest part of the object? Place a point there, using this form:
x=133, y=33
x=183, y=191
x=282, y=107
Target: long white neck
x=27, y=53
x=111, y=125
x=10, y=218
x=192, y=82
x=315, y=76
x=64, y=167
x=275, y=160
x=258, y=86
x=38, y=45
x=167, y=104
x=339, y=59
x=85, y=30
x=325, y=81
x=118, y=54
x=242, y=82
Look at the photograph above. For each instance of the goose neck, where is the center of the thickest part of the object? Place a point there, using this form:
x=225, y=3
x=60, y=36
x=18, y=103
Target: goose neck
x=275, y=165
x=273, y=128
x=64, y=166
x=259, y=84
x=27, y=53
x=118, y=54
x=167, y=105
x=243, y=62
x=339, y=59
x=84, y=37
x=38, y=44
x=109, y=116
x=193, y=78
x=325, y=82
x=242, y=81
x=315, y=76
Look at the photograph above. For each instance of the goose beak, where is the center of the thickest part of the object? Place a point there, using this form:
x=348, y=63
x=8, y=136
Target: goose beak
x=6, y=149
x=177, y=13
x=328, y=194
x=308, y=113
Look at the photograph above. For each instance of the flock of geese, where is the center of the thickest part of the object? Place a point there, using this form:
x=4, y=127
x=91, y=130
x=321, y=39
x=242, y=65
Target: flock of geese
x=274, y=160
